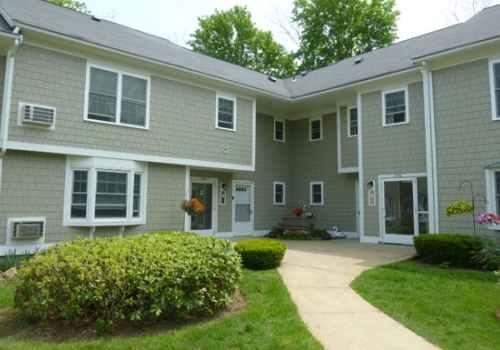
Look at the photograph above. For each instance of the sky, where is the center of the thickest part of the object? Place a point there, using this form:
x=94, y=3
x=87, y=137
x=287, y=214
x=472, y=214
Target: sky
x=177, y=19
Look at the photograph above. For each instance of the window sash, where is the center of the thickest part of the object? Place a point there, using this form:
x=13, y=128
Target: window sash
x=113, y=94
x=225, y=114
x=353, y=122
x=136, y=205
x=279, y=193
x=316, y=129
x=111, y=195
x=316, y=193
x=496, y=87
x=79, y=194
x=279, y=130
x=395, y=107
x=497, y=192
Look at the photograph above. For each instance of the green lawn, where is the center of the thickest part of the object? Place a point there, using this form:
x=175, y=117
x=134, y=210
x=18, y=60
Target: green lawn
x=268, y=321
x=454, y=309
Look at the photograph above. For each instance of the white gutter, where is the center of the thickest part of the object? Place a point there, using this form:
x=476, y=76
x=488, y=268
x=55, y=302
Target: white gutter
x=430, y=148
x=7, y=92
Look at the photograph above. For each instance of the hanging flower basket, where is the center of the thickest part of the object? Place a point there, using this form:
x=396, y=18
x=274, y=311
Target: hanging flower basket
x=460, y=207
x=192, y=206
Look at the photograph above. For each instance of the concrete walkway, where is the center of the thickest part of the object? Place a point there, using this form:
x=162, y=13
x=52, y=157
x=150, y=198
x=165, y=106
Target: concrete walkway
x=317, y=275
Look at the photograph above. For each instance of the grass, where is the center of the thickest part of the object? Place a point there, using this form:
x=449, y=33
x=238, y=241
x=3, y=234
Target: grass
x=268, y=321
x=454, y=309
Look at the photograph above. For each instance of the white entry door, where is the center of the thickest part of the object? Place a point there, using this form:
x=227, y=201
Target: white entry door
x=242, y=209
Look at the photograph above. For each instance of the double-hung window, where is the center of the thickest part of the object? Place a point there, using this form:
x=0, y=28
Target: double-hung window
x=315, y=131
x=279, y=193
x=226, y=113
x=117, y=98
x=495, y=89
x=493, y=190
x=316, y=193
x=104, y=192
x=279, y=130
x=353, y=122
x=395, y=107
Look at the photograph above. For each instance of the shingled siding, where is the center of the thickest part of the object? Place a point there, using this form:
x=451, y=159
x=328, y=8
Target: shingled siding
x=467, y=139
x=316, y=161
x=349, y=145
x=181, y=116
x=390, y=150
x=274, y=162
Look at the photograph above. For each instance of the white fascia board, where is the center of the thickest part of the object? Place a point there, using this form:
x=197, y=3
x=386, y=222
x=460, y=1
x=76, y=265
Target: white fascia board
x=86, y=152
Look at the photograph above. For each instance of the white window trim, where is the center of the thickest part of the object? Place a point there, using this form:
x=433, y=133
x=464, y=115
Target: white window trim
x=229, y=98
x=311, y=120
x=494, y=111
x=407, y=109
x=282, y=122
x=349, y=109
x=311, y=184
x=490, y=194
x=93, y=165
x=274, y=193
x=118, y=97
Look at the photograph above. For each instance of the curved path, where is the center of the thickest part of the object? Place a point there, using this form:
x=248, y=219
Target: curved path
x=317, y=275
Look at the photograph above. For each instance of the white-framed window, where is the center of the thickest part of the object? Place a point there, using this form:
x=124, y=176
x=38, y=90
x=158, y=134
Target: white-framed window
x=226, y=113
x=353, y=122
x=279, y=130
x=395, y=107
x=117, y=97
x=493, y=190
x=316, y=193
x=104, y=192
x=495, y=88
x=315, y=129
x=279, y=193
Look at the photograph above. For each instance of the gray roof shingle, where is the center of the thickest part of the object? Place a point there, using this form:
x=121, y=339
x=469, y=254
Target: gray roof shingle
x=391, y=59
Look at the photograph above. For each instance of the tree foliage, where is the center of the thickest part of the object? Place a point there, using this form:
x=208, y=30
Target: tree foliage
x=332, y=30
x=71, y=4
x=232, y=36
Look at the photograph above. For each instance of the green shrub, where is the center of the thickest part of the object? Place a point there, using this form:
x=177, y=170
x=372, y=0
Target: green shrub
x=138, y=278
x=487, y=254
x=261, y=254
x=445, y=248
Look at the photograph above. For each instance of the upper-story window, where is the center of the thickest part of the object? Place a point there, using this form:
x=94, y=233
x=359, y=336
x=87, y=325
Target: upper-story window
x=104, y=192
x=226, y=113
x=116, y=97
x=495, y=89
x=315, y=131
x=395, y=107
x=316, y=193
x=353, y=122
x=279, y=193
x=279, y=130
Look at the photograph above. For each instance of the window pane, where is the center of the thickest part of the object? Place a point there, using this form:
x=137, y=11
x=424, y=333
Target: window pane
x=353, y=122
x=133, y=106
x=111, y=195
x=496, y=73
x=136, y=209
x=395, y=107
x=497, y=192
x=315, y=129
x=102, y=95
x=226, y=114
x=79, y=194
x=278, y=193
x=316, y=193
x=278, y=130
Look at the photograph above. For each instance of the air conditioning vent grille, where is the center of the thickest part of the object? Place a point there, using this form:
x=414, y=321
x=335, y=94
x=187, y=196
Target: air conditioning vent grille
x=27, y=229
x=38, y=114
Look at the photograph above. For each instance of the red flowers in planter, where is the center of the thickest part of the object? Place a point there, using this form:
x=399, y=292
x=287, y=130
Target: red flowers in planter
x=192, y=206
x=298, y=211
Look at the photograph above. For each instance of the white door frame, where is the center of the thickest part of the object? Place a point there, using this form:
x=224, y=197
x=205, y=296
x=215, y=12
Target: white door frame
x=250, y=228
x=215, y=202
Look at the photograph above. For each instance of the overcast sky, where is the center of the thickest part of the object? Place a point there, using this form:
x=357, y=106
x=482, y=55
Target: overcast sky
x=176, y=19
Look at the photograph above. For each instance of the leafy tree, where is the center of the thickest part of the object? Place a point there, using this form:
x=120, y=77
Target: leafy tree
x=71, y=4
x=232, y=36
x=332, y=30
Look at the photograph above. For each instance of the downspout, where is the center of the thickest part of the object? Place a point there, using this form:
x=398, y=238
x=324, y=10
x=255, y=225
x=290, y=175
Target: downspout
x=6, y=99
x=430, y=148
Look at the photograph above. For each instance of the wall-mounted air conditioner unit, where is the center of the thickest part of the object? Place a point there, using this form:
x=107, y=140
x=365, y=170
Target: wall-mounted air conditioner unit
x=27, y=229
x=41, y=115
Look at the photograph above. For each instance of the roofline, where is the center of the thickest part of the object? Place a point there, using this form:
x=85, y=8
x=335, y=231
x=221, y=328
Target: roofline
x=419, y=59
x=6, y=17
x=143, y=58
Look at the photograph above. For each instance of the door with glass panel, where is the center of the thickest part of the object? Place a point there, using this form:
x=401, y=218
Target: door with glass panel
x=203, y=222
x=243, y=213
x=404, y=209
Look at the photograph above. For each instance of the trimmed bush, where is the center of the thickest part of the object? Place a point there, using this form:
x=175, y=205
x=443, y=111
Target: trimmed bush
x=445, y=248
x=138, y=278
x=261, y=254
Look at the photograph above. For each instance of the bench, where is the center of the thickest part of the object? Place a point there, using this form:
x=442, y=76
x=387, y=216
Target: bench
x=297, y=223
